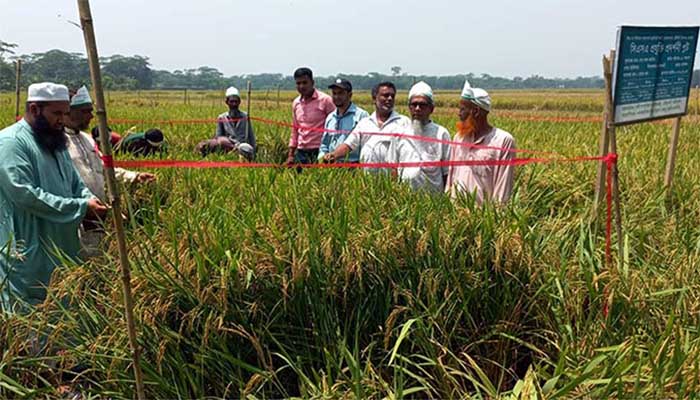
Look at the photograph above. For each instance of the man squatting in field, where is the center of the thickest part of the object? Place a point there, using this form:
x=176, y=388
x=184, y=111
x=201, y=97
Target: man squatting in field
x=87, y=160
x=485, y=182
x=42, y=199
x=234, y=131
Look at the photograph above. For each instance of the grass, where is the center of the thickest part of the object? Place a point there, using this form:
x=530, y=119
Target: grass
x=333, y=284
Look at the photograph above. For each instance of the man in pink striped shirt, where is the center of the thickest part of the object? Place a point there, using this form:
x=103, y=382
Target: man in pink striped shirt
x=309, y=112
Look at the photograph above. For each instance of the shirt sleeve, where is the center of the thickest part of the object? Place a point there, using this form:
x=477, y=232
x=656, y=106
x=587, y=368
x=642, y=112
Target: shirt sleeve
x=445, y=156
x=325, y=140
x=503, y=185
x=354, y=140
x=125, y=176
x=16, y=181
x=329, y=105
x=220, y=131
x=294, y=138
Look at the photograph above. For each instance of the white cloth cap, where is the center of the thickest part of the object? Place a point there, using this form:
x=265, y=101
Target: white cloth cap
x=81, y=97
x=47, y=91
x=421, y=89
x=477, y=96
x=232, y=91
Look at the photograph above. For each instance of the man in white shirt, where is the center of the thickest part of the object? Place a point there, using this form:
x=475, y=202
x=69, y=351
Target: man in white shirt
x=374, y=148
x=405, y=150
x=483, y=143
x=87, y=160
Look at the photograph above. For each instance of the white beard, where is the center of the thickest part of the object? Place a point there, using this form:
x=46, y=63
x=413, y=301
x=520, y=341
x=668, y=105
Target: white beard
x=417, y=127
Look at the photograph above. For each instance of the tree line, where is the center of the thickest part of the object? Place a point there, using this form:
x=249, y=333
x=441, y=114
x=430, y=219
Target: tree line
x=135, y=73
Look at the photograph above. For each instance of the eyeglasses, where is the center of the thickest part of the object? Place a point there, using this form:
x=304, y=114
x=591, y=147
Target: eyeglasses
x=419, y=104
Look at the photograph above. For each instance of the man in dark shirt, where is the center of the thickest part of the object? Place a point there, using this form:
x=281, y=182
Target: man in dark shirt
x=234, y=130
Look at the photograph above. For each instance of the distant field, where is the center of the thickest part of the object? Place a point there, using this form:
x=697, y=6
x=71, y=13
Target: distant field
x=332, y=284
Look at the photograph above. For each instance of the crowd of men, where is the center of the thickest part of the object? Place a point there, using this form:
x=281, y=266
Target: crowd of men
x=52, y=190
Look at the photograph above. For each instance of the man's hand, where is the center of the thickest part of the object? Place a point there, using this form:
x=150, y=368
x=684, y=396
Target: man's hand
x=96, y=209
x=329, y=158
x=145, y=177
x=290, y=156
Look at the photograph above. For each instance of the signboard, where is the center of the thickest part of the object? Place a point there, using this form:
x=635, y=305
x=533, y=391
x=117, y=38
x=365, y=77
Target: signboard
x=652, y=73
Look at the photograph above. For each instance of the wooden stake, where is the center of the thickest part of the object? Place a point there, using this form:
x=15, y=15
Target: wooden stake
x=247, y=121
x=18, y=76
x=278, y=96
x=671, y=160
x=113, y=189
x=267, y=94
x=604, y=141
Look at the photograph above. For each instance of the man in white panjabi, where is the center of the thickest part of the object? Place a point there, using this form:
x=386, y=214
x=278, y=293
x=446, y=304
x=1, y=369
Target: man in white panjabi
x=404, y=149
x=88, y=162
x=483, y=142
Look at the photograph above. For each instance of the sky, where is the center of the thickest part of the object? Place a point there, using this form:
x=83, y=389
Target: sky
x=434, y=37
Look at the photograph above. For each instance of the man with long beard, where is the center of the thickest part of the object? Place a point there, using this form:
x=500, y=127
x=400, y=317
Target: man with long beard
x=42, y=199
x=434, y=147
x=483, y=143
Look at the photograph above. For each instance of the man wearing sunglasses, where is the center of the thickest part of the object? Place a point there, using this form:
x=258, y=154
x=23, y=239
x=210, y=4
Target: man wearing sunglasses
x=428, y=144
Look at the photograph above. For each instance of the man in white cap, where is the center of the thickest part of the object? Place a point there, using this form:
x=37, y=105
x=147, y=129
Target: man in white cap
x=374, y=148
x=87, y=160
x=430, y=178
x=234, y=131
x=42, y=199
x=484, y=182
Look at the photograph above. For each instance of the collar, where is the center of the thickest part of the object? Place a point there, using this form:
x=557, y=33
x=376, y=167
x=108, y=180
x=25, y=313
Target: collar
x=314, y=96
x=487, y=135
x=351, y=110
x=394, y=115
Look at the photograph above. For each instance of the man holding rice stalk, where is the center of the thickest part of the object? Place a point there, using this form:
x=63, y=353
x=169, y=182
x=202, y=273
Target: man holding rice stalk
x=485, y=182
x=373, y=147
x=87, y=160
x=234, y=131
x=42, y=199
x=403, y=149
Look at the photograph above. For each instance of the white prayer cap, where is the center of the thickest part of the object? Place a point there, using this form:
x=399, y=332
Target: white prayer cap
x=47, y=91
x=232, y=91
x=81, y=97
x=477, y=96
x=421, y=89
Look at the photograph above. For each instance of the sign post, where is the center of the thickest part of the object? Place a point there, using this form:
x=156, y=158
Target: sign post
x=648, y=77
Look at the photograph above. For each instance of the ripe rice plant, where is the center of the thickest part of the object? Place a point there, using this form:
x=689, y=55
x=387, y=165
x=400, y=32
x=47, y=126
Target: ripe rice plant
x=265, y=283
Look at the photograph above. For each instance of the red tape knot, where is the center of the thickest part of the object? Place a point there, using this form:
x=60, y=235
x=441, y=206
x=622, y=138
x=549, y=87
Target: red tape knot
x=107, y=161
x=611, y=158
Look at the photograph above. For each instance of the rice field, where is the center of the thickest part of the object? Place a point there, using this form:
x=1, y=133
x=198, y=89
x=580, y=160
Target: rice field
x=331, y=284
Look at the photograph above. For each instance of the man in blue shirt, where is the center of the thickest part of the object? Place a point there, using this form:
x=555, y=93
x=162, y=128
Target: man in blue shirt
x=343, y=119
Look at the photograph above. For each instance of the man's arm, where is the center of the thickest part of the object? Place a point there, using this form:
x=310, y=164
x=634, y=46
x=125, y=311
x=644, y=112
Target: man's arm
x=504, y=174
x=294, y=138
x=17, y=184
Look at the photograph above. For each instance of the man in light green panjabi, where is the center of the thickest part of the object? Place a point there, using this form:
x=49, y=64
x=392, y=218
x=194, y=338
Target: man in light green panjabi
x=42, y=199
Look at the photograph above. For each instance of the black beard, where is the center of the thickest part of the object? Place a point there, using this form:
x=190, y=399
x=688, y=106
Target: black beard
x=50, y=139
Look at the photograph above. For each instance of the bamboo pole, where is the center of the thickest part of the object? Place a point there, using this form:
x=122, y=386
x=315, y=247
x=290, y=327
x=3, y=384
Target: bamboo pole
x=113, y=190
x=671, y=160
x=18, y=82
x=604, y=141
x=278, y=95
x=607, y=68
x=267, y=94
x=247, y=120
